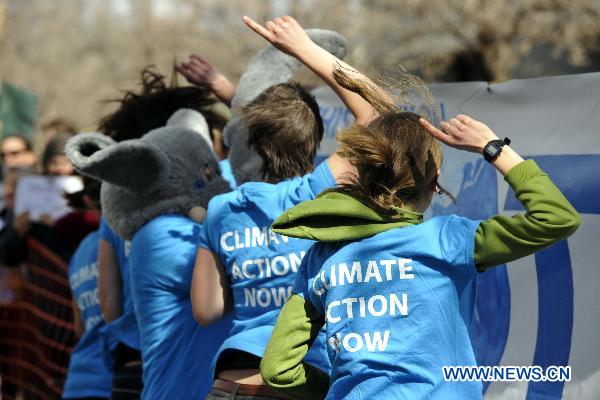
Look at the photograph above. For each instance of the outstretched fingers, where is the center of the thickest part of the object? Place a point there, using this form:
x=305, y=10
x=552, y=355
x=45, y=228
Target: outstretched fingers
x=435, y=132
x=465, y=119
x=258, y=28
x=457, y=124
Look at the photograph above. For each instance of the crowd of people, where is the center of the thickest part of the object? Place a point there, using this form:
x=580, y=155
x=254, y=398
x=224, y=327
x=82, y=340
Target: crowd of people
x=210, y=258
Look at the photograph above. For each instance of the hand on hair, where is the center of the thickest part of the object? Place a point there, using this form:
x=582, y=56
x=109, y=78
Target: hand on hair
x=462, y=132
x=200, y=72
x=284, y=33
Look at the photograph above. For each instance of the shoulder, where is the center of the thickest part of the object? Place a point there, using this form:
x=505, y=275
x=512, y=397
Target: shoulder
x=106, y=232
x=225, y=200
x=164, y=228
x=86, y=251
x=456, y=236
x=91, y=240
x=308, y=186
x=455, y=223
x=319, y=254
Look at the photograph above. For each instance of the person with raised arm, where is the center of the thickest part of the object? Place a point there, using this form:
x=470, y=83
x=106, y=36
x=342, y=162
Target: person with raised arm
x=241, y=266
x=395, y=293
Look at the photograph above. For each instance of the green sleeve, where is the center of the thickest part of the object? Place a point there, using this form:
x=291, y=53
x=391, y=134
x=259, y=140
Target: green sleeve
x=548, y=218
x=281, y=367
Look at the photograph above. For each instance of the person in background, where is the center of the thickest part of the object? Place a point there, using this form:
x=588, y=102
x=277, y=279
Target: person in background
x=50, y=129
x=73, y=227
x=241, y=267
x=54, y=161
x=11, y=279
x=406, y=308
x=17, y=152
x=90, y=369
x=138, y=113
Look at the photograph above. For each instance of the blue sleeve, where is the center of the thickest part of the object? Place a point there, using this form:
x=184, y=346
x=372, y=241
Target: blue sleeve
x=457, y=242
x=107, y=234
x=209, y=232
x=310, y=185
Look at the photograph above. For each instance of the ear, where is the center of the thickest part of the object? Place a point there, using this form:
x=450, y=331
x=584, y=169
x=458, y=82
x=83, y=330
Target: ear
x=132, y=164
x=191, y=119
x=271, y=67
x=434, y=183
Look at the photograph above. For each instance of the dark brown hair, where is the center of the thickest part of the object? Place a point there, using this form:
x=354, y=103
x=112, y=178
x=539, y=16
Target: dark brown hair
x=151, y=107
x=285, y=129
x=397, y=160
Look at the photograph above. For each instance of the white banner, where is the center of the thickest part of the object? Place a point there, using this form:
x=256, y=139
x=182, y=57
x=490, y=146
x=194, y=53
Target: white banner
x=545, y=309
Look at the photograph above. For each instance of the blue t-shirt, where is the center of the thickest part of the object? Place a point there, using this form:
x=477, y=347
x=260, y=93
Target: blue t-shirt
x=261, y=264
x=397, y=307
x=125, y=327
x=227, y=172
x=90, y=368
x=176, y=351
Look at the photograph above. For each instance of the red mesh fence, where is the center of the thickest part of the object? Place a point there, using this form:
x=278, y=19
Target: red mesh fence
x=36, y=329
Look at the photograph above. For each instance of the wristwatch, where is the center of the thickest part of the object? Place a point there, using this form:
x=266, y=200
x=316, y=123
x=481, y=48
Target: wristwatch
x=492, y=150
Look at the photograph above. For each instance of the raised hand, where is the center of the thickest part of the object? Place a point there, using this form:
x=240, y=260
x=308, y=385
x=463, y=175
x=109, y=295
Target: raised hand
x=462, y=132
x=466, y=133
x=284, y=33
x=199, y=71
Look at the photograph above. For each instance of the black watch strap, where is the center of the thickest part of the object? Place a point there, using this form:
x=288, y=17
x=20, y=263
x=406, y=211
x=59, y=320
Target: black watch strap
x=492, y=150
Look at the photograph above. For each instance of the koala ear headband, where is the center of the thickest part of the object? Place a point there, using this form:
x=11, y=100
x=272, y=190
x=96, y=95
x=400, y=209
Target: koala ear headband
x=269, y=67
x=192, y=119
x=100, y=157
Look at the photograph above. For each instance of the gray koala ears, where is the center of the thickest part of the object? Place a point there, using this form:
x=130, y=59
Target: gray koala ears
x=271, y=67
x=192, y=119
x=132, y=164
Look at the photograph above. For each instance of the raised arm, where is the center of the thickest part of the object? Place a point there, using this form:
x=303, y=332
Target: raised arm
x=548, y=217
x=210, y=292
x=287, y=35
x=199, y=71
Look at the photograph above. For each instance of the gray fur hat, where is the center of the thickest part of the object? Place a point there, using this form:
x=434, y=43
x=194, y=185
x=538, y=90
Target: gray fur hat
x=168, y=170
x=269, y=67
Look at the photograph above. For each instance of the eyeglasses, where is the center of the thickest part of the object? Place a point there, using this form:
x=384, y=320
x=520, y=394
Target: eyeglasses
x=13, y=153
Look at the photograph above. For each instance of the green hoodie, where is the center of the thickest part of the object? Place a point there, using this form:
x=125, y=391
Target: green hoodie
x=333, y=217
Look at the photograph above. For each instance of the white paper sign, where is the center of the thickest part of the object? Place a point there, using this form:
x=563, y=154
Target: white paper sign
x=45, y=195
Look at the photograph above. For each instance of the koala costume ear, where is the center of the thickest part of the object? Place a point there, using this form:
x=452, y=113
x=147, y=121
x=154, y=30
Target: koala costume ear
x=131, y=164
x=191, y=119
x=272, y=67
x=269, y=67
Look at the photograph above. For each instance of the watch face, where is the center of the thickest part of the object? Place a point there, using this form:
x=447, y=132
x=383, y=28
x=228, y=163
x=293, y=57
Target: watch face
x=492, y=149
